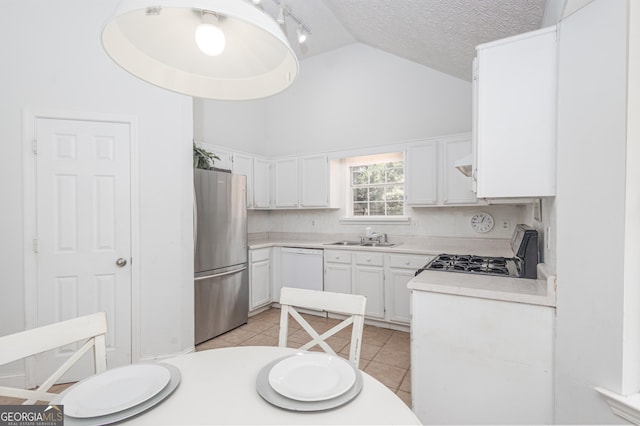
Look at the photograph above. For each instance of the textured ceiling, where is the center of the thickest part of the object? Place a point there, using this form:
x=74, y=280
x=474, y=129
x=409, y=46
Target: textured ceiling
x=441, y=34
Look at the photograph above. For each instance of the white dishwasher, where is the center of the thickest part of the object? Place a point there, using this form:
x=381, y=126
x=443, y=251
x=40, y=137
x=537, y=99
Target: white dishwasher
x=303, y=268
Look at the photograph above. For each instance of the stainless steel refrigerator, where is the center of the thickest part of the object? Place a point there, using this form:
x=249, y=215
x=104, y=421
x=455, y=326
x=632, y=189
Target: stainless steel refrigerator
x=220, y=234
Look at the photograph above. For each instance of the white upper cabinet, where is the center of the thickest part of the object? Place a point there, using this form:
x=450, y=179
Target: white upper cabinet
x=286, y=182
x=456, y=187
x=256, y=169
x=431, y=176
x=243, y=165
x=261, y=183
x=421, y=180
x=314, y=179
x=302, y=182
x=515, y=123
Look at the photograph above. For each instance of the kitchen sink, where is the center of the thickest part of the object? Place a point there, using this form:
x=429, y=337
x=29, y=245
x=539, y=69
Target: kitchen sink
x=365, y=244
x=344, y=243
x=376, y=244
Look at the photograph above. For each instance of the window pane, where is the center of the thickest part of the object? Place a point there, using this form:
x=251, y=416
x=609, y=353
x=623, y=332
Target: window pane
x=395, y=175
x=376, y=173
x=377, y=208
x=395, y=193
x=360, y=209
x=376, y=194
x=359, y=175
x=360, y=194
x=395, y=208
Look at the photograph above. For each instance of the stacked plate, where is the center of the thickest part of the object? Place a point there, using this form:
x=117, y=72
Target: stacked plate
x=309, y=382
x=117, y=394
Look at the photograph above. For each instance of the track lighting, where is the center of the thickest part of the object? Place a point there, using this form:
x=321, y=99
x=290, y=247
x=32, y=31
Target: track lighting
x=284, y=12
x=302, y=37
x=280, y=18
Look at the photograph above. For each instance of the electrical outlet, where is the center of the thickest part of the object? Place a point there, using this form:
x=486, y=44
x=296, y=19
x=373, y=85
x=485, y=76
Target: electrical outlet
x=506, y=224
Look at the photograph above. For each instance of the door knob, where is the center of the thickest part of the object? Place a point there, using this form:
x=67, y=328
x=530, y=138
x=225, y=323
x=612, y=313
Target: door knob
x=121, y=262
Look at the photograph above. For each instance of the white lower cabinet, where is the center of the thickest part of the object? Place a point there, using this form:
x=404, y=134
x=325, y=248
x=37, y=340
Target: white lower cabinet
x=259, y=278
x=357, y=272
x=369, y=282
x=338, y=272
x=401, y=270
x=481, y=361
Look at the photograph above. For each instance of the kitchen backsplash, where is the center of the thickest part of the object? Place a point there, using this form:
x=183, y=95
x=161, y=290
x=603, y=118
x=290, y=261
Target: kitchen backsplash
x=434, y=221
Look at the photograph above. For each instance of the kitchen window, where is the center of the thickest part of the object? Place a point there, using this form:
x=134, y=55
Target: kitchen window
x=376, y=186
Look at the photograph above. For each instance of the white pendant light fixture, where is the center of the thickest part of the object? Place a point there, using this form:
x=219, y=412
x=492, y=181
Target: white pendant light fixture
x=216, y=49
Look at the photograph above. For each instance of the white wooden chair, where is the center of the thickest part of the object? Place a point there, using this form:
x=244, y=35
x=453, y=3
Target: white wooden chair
x=37, y=340
x=349, y=304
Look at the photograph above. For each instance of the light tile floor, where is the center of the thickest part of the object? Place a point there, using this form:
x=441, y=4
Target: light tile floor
x=385, y=353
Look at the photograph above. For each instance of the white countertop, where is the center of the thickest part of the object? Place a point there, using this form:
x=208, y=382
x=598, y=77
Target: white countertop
x=405, y=245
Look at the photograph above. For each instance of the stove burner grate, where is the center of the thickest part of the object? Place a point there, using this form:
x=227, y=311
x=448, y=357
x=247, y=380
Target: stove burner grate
x=473, y=264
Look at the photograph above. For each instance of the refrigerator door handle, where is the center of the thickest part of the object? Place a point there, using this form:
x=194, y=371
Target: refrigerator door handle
x=195, y=220
x=221, y=274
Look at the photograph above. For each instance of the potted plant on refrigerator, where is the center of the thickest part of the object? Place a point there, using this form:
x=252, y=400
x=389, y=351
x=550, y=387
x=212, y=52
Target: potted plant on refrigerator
x=203, y=159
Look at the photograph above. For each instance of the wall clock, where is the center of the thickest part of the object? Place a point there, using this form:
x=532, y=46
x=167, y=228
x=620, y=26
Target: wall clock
x=482, y=222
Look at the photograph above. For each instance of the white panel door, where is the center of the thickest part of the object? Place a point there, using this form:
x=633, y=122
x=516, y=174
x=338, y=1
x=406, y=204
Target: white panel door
x=84, y=232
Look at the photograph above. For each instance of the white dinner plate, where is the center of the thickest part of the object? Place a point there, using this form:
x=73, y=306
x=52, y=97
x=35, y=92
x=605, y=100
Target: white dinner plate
x=272, y=397
x=115, y=390
x=312, y=376
x=119, y=416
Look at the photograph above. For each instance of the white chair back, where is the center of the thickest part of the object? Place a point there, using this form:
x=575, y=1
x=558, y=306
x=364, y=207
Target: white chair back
x=347, y=304
x=37, y=340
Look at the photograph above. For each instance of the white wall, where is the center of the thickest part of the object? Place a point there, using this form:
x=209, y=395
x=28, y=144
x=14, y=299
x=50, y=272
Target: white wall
x=237, y=125
x=352, y=97
x=590, y=207
x=358, y=96
x=53, y=61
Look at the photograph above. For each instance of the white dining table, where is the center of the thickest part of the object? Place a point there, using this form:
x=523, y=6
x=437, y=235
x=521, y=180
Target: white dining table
x=218, y=386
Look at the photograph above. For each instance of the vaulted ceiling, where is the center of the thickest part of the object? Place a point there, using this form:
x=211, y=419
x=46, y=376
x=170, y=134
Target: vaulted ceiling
x=440, y=34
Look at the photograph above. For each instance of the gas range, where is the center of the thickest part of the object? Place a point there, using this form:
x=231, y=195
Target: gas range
x=474, y=264
x=523, y=264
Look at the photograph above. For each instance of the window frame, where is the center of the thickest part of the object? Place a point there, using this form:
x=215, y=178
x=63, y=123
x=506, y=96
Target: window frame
x=367, y=160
